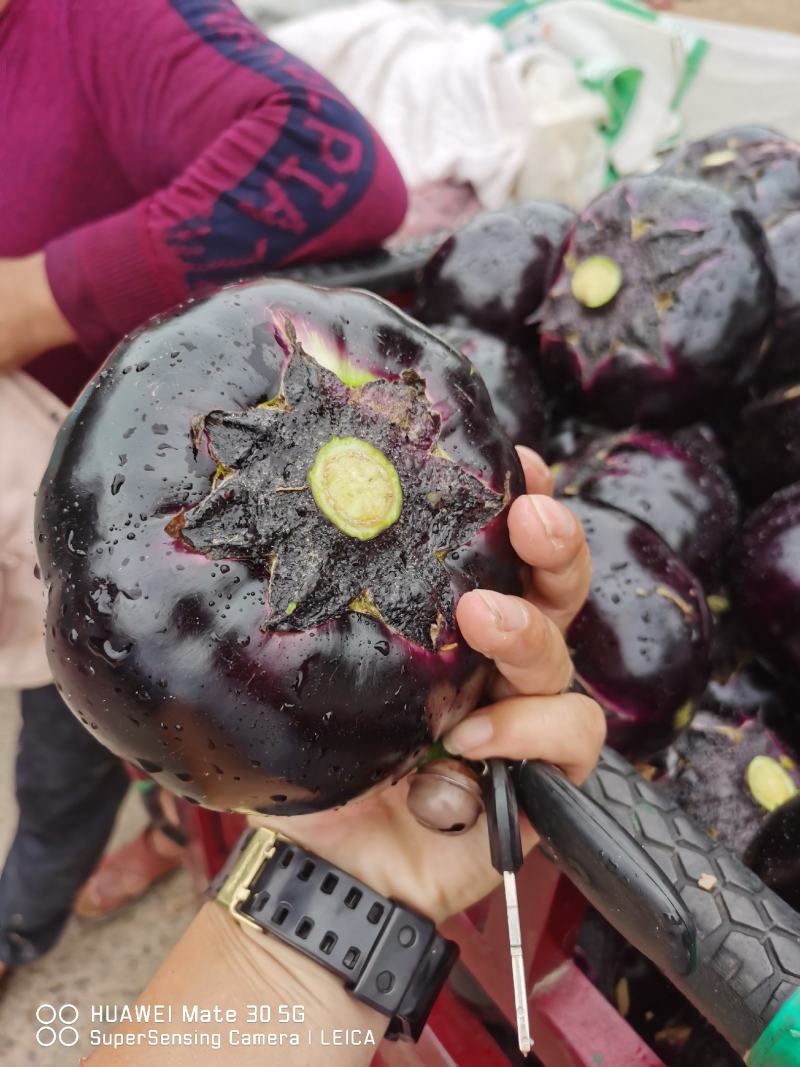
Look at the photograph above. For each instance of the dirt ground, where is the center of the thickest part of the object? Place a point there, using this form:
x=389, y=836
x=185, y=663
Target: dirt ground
x=774, y=14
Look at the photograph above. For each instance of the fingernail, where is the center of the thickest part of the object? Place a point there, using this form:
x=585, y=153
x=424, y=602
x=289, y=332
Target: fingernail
x=558, y=521
x=470, y=734
x=508, y=614
x=536, y=461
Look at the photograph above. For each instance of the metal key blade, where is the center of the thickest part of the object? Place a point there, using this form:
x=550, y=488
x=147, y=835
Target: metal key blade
x=517, y=963
x=505, y=848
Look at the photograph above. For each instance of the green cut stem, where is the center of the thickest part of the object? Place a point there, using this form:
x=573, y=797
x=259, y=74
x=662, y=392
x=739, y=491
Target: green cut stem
x=770, y=784
x=596, y=281
x=356, y=487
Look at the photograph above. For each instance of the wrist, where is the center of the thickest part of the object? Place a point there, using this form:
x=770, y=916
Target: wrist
x=47, y=327
x=260, y=969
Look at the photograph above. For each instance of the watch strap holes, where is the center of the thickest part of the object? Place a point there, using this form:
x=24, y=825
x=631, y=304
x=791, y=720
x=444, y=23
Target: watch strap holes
x=375, y=913
x=306, y=870
x=352, y=899
x=280, y=914
x=351, y=957
x=328, y=942
x=304, y=928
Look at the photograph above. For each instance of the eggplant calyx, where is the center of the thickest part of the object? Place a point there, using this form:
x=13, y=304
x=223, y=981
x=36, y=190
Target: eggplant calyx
x=341, y=500
x=356, y=487
x=596, y=281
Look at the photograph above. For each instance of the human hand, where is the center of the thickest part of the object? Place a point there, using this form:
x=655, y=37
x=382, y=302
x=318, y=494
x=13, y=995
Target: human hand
x=377, y=839
x=30, y=320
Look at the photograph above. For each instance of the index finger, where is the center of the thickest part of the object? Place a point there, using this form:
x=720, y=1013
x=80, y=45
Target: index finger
x=546, y=535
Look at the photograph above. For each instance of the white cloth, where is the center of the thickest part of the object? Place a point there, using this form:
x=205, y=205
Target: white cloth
x=453, y=104
x=29, y=419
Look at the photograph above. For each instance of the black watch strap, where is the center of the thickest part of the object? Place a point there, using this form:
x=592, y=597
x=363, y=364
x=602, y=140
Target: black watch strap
x=388, y=955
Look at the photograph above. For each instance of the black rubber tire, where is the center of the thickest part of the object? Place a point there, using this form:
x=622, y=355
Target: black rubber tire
x=748, y=939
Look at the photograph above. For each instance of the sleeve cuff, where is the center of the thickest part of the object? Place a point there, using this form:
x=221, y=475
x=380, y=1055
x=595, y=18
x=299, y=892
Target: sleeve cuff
x=105, y=279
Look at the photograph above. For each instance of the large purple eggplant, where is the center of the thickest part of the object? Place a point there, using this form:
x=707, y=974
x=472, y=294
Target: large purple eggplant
x=509, y=375
x=765, y=575
x=774, y=851
x=760, y=169
x=661, y=303
x=254, y=530
x=641, y=642
x=766, y=450
x=729, y=777
x=494, y=272
x=676, y=487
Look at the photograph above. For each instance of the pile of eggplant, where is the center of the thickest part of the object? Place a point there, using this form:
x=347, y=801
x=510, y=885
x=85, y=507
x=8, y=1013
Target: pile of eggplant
x=659, y=330
x=260, y=515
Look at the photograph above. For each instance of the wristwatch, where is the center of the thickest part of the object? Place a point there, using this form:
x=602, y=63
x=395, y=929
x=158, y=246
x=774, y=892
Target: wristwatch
x=389, y=956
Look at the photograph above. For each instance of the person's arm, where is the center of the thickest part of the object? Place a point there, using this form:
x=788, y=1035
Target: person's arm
x=216, y=965
x=378, y=841
x=246, y=158
x=31, y=321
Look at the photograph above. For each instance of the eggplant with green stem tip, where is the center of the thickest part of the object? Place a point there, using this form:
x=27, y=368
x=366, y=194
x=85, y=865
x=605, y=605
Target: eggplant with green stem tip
x=254, y=531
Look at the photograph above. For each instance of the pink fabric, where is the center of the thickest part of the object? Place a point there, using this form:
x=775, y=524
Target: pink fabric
x=156, y=148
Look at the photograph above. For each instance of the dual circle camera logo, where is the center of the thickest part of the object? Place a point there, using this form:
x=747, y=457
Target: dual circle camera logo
x=56, y=1025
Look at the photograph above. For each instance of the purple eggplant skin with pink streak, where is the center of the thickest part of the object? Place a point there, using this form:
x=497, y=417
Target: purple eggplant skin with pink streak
x=760, y=169
x=517, y=396
x=689, y=319
x=641, y=642
x=171, y=657
x=766, y=583
x=494, y=272
x=766, y=449
x=675, y=486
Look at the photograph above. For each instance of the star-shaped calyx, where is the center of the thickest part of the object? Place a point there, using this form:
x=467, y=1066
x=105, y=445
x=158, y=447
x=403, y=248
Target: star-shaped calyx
x=342, y=497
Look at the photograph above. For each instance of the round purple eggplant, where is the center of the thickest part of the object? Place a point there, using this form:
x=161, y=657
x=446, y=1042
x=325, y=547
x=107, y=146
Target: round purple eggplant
x=765, y=574
x=728, y=778
x=760, y=169
x=774, y=851
x=749, y=691
x=781, y=363
x=254, y=530
x=569, y=437
x=494, y=273
x=678, y=490
x=756, y=166
x=517, y=395
x=766, y=451
x=641, y=641
x=662, y=300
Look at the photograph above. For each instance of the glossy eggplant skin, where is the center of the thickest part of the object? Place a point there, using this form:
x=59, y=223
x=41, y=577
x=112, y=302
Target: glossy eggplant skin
x=706, y=772
x=641, y=643
x=569, y=437
x=774, y=852
x=163, y=651
x=494, y=272
x=677, y=489
x=760, y=169
x=689, y=319
x=517, y=395
x=765, y=574
x=766, y=450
